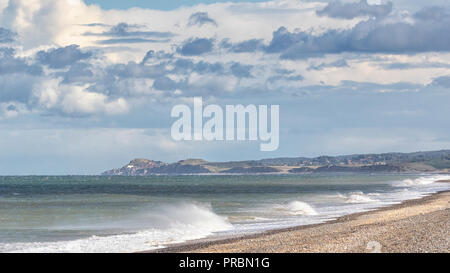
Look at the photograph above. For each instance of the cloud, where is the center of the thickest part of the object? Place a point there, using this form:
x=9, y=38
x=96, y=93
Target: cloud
x=135, y=70
x=11, y=109
x=200, y=19
x=10, y=64
x=17, y=87
x=130, y=41
x=165, y=83
x=47, y=22
x=244, y=46
x=283, y=40
x=148, y=56
x=352, y=10
x=79, y=101
x=338, y=63
x=153, y=55
x=17, y=76
x=76, y=100
x=433, y=13
x=186, y=66
x=406, y=66
x=196, y=46
x=131, y=30
x=387, y=35
x=6, y=36
x=241, y=71
x=63, y=56
x=25, y=85
x=443, y=81
x=285, y=78
x=78, y=73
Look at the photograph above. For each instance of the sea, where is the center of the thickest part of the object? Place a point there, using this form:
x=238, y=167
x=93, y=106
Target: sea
x=67, y=214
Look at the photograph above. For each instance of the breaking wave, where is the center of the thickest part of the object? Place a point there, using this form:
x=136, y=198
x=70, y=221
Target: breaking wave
x=171, y=224
x=421, y=181
x=358, y=197
x=297, y=208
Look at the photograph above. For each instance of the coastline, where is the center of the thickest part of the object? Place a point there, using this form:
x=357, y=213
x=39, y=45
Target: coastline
x=418, y=225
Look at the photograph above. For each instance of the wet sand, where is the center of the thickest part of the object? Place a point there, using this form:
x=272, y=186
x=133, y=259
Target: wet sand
x=421, y=225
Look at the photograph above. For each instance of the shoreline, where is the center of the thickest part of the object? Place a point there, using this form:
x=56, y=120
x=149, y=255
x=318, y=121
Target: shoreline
x=428, y=216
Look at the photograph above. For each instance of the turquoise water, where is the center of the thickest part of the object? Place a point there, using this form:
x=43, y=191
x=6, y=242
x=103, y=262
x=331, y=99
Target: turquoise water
x=124, y=214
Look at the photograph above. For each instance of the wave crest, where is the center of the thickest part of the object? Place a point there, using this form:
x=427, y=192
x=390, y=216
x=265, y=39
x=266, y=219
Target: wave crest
x=421, y=181
x=358, y=197
x=297, y=208
x=169, y=224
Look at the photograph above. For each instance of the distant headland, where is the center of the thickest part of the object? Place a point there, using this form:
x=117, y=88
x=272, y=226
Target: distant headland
x=418, y=162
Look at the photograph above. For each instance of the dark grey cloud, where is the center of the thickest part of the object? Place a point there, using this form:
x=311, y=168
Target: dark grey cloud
x=443, y=81
x=156, y=56
x=415, y=65
x=244, y=46
x=352, y=10
x=17, y=87
x=241, y=71
x=282, y=40
x=136, y=70
x=11, y=108
x=63, y=56
x=292, y=78
x=338, y=63
x=196, y=46
x=78, y=73
x=165, y=83
x=124, y=33
x=187, y=66
x=130, y=30
x=371, y=36
x=123, y=80
x=200, y=19
x=95, y=25
x=148, y=56
x=17, y=77
x=205, y=67
x=130, y=41
x=10, y=64
x=6, y=36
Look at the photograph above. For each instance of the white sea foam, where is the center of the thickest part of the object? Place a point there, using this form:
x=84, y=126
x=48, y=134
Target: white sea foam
x=173, y=224
x=297, y=208
x=358, y=197
x=421, y=181
x=374, y=194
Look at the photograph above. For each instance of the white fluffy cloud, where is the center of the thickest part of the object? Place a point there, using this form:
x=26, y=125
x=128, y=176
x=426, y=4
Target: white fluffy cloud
x=76, y=100
x=41, y=23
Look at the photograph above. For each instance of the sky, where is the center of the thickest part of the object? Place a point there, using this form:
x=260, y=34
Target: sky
x=159, y=5
x=86, y=86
